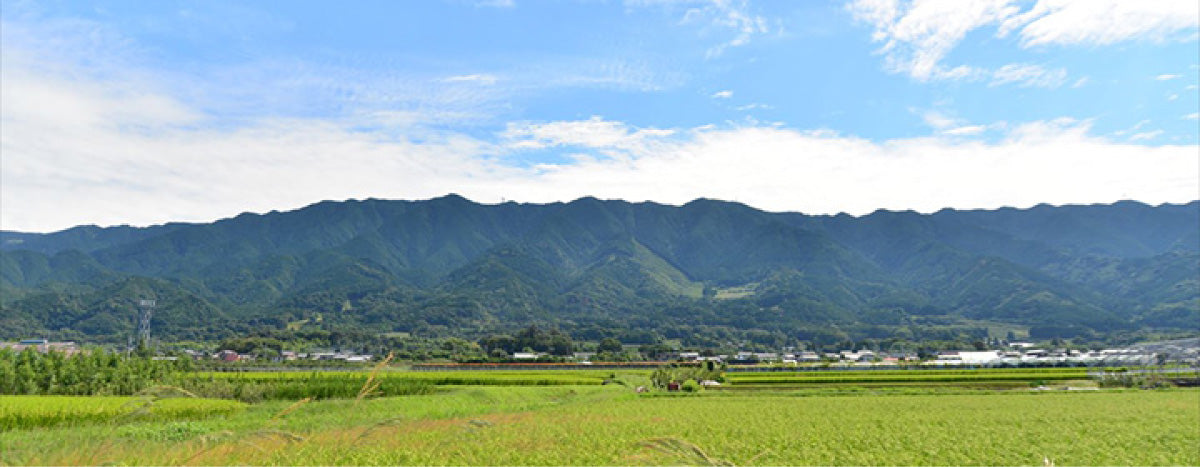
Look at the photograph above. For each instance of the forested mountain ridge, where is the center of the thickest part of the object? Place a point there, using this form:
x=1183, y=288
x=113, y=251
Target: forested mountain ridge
x=452, y=266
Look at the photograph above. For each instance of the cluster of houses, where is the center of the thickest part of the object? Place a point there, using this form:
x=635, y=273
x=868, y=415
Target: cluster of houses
x=42, y=345
x=1042, y=356
x=792, y=358
x=1017, y=354
x=286, y=355
x=1186, y=351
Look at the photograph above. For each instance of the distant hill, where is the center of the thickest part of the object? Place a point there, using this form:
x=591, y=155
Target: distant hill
x=451, y=266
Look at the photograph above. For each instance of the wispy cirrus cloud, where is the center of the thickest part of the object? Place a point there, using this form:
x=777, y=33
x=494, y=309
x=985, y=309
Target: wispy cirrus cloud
x=593, y=133
x=1027, y=75
x=1103, y=22
x=479, y=78
x=496, y=3
x=946, y=125
x=1145, y=135
x=350, y=88
x=728, y=16
x=918, y=35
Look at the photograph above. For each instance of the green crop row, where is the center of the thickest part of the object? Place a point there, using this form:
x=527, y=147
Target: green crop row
x=791, y=379
x=447, y=378
x=979, y=371
x=597, y=425
x=19, y=412
x=259, y=386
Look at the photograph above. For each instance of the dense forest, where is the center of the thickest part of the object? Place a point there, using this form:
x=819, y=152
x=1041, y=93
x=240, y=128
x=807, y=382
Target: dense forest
x=706, y=274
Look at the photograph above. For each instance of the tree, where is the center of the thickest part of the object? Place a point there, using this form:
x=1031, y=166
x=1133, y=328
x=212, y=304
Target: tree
x=610, y=345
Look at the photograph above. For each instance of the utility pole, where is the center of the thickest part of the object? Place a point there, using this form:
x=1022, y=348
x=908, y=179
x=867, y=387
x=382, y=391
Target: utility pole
x=147, y=308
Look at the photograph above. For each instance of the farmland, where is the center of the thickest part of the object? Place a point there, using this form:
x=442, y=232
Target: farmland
x=448, y=378
x=257, y=386
x=595, y=424
x=988, y=378
x=21, y=412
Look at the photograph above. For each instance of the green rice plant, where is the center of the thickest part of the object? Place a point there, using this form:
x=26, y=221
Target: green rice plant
x=20, y=412
x=854, y=377
x=330, y=385
x=690, y=453
x=440, y=378
x=162, y=432
x=609, y=425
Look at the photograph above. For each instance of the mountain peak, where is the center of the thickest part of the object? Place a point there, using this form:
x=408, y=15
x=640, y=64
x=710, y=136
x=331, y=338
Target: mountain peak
x=453, y=198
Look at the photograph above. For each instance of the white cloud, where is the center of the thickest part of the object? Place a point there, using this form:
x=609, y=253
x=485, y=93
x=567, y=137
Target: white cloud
x=718, y=15
x=1133, y=129
x=112, y=147
x=595, y=133
x=735, y=15
x=722, y=94
x=753, y=106
x=1167, y=77
x=938, y=120
x=1027, y=75
x=484, y=79
x=1104, y=22
x=966, y=130
x=918, y=35
x=496, y=3
x=111, y=172
x=955, y=127
x=1053, y=162
x=1191, y=116
x=1146, y=135
x=1081, y=82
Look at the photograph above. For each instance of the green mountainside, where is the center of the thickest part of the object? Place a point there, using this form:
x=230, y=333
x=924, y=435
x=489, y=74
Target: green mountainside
x=704, y=270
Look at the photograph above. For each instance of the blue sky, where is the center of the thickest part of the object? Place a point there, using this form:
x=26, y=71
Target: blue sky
x=147, y=112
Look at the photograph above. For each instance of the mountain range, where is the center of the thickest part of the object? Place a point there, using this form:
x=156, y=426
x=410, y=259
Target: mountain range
x=449, y=266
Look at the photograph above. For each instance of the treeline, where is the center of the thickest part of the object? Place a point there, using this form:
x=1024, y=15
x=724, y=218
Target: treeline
x=530, y=339
x=91, y=372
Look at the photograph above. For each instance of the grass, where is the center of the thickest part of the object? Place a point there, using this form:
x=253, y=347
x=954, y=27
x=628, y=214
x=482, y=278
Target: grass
x=741, y=291
x=115, y=439
x=609, y=425
x=258, y=386
x=441, y=378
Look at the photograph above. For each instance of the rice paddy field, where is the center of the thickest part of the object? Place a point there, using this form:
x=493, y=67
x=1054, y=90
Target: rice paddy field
x=23, y=412
x=443, y=378
x=979, y=378
x=499, y=422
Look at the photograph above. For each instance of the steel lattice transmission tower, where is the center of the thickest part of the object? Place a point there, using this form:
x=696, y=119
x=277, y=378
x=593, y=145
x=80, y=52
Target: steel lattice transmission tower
x=147, y=308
